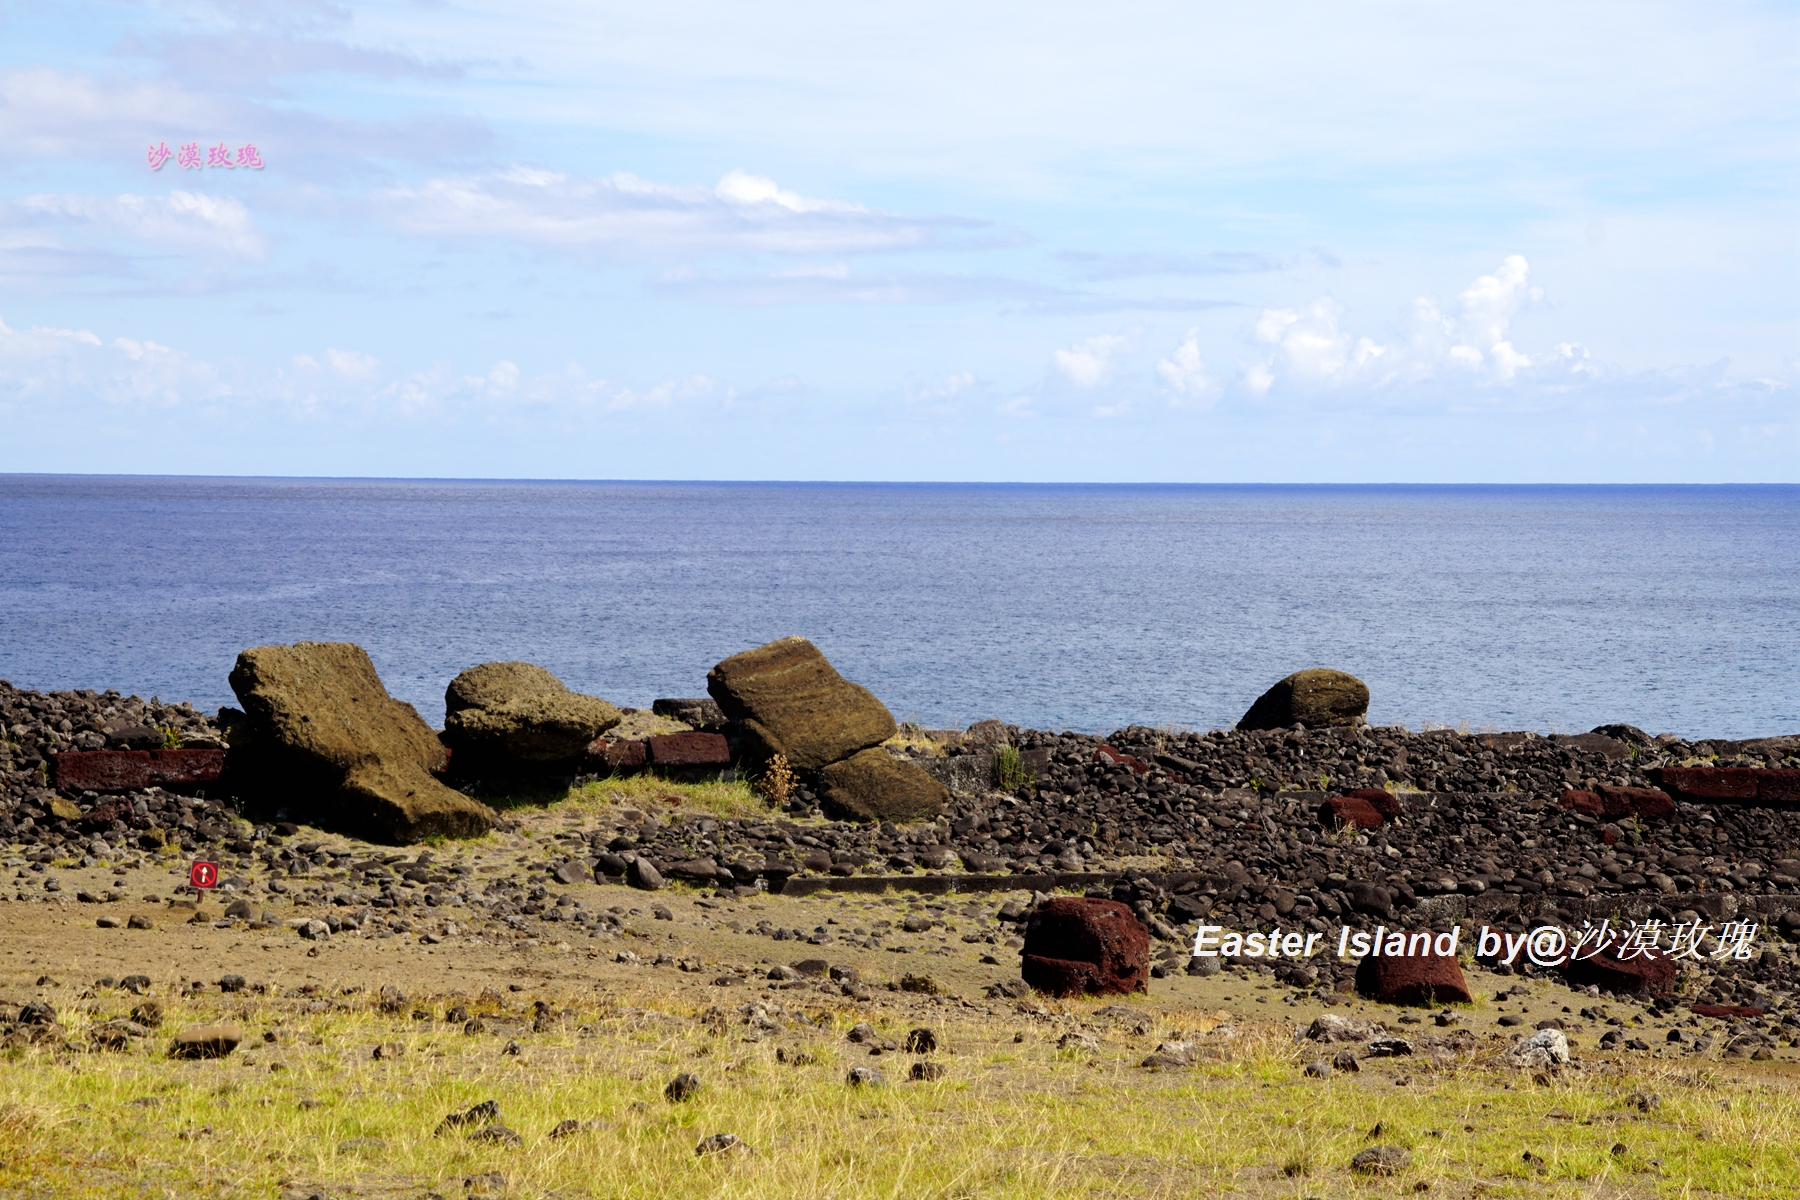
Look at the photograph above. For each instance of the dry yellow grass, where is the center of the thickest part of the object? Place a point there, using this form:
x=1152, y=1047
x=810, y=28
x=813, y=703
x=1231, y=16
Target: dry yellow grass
x=312, y=1110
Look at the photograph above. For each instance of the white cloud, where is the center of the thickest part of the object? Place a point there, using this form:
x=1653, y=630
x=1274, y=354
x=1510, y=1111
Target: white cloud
x=627, y=217
x=45, y=113
x=187, y=222
x=351, y=364
x=1184, y=372
x=1309, y=348
x=43, y=364
x=1085, y=363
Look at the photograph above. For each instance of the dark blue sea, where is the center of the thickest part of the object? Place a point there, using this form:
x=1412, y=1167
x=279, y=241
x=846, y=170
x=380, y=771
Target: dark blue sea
x=1083, y=607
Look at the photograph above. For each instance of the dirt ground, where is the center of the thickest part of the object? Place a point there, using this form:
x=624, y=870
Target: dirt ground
x=1089, y=1116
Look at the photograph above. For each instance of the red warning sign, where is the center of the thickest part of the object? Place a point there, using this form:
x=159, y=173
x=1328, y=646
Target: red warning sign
x=204, y=874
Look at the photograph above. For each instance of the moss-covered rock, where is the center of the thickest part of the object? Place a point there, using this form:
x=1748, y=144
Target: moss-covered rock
x=321, y=735
x=788, y=700
x=875, y=786
x=1315, y=698
x=517, y=712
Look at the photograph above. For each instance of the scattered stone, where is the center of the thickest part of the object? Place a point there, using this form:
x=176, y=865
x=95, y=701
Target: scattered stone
x=1345, y=1060
x=642, y=873
x=490, y=1185
x=1318, y=1068
x=921, y=1041
x=139, y=921
x=924, y=985
x=1545, y=1048
x=721, y=1143
x=1380, y=1160
x=864, y=1077
x=701, y=713
x=929, y=1072
x=485, y=1113
x=206, y=1041
x=232, y=983
x=683, y=1087
x=1329, y=1027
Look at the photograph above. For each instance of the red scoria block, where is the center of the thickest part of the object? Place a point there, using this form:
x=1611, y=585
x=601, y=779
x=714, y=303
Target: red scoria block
x=134, y=770
x=1382, y=800
x=1408, y=979
x=1075, y=946
x=1726, y=1010
x=1340, y=811
x=689, y=750
x=1107, y=754
x=1648, y=803
x=620, y=755
x=1638, y=976
x=1610, y=801
x=1778, y=784
x=1709, y=783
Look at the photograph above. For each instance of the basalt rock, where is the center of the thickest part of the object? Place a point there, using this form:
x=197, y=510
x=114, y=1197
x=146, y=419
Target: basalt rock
x=322, y=736
x=519, y=713
x=1317, y=698
x=788, y=700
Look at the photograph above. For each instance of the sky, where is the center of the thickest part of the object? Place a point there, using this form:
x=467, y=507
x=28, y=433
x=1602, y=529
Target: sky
x=1194, y=242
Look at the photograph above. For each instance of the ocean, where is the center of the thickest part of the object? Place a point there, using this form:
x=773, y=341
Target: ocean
x=1552, y=608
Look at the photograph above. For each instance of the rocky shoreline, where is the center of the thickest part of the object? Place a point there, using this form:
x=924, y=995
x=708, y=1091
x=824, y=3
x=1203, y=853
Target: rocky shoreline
x=1242, y=828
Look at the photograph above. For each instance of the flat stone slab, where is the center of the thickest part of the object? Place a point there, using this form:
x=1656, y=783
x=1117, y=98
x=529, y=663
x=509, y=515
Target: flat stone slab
x=689, y=750
x=135, y=770
x=1713, y=785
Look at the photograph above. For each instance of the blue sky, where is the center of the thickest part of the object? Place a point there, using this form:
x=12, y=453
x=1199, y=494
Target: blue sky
x=1185, y=242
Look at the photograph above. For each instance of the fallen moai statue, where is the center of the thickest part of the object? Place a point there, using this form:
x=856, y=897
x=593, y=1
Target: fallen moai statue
x=322, y=737
x=787, y=700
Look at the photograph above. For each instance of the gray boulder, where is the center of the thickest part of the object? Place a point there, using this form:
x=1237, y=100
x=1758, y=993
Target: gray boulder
x=1316, y=698
x=519, y=712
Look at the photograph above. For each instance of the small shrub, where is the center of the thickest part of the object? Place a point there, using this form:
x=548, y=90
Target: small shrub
x=171, y=737
x=777, y=782
x=1009, y=768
